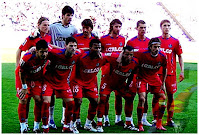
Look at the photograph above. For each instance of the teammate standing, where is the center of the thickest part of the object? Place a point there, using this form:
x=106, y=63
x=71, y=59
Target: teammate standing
x=140, y=42
x=171, y=47
x=59, y=31
x=113, y=42
x=150, y=62
x=29, y=79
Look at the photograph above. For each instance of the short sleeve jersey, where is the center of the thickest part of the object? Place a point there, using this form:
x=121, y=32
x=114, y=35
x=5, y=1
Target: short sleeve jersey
x=87, y=69
x=171, y=47
x=110, y=44
x=149, y=67
x=83, y=42
x=59, y=33
x=32, y=67
x=28, y=43
x=116, y=79
x=60, y=67
x=138, y=44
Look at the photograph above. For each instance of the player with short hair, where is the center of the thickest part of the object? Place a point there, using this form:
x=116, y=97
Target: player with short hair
x=57, y=78
x=171, y=47
x=150, y=62
x=31, y=40
x=121, y=70
x=113, y=42
x=85, y=82
x=29, y=80
x=140, y=42
x=59, y=31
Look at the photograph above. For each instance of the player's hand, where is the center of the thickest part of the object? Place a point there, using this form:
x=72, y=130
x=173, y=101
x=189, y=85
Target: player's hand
x=34, y=34
x=163, y=87
x=22, y=93
x=100, y=55
x=32, y=50
x=181, y=77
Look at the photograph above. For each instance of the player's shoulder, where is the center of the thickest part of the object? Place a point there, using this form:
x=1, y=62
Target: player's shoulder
x=59, y=23
x=78, y=35
x=28, y=56
x=105, y=36
x=161, y=53
x=135, y=60
x=132, y=39
x=121, y=37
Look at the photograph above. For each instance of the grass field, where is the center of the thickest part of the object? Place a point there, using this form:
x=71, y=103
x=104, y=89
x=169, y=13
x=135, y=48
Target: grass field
x=185, y=115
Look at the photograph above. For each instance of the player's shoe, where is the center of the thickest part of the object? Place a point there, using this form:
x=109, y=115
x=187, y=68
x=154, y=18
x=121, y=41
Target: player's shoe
x=37, y=130
x=131, y=127
x=52, y=124
x=79, y=125
x=140, y=127
x=45, y=130
x=90, y=128
x=24, y=130
x=170, y=123
x=94, y=124
x=62, y=122
x=27, y=127
x=74, y=128
x=159, y=125
x=100, y=129
x=146, y=123
x=66, y=130
x=154, y=122
x=120, y=123
x=106, y=124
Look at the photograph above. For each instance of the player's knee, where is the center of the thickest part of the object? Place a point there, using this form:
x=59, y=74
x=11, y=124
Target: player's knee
x=142, y=99
x=78, y=101
x=103, y=99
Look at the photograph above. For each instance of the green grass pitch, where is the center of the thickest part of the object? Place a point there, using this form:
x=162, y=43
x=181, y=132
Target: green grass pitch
x=185, y=115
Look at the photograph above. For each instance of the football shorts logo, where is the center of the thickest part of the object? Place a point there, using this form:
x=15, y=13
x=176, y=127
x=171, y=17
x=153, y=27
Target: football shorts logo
x=170, y=45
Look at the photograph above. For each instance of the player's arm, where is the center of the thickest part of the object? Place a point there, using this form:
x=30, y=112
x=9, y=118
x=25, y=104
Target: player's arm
x=18, y=56
x=22, y=74
x=181, y=63
x=164, y=73
x=129, y=80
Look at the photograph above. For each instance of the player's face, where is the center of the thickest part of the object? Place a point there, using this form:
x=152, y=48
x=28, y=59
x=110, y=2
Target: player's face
x=155, y=49
x=44, y=26
x=141, y=29
x=86, y=31
x=67, y=18
x=116, y=28
x=42, y=53
x=71, y=47
x=166, y=28
x=127, y=56
x=96, y=48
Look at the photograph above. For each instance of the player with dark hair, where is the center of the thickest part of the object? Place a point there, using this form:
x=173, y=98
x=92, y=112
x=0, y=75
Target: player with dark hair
x=59, y=31
x=171, y=47
x=150, y=62
x=40, y=33
x=85, y=82
x=57, y=78
x=140, y=42
x=115, y=79
x=29, y=80
x=113, y=42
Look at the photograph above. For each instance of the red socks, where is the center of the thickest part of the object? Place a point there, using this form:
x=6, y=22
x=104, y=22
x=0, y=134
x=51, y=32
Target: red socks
x=22, y=112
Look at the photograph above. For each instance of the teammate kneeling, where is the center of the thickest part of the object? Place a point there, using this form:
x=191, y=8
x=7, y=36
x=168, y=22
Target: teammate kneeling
x=29, y=80
x=122, y=68
x=150, y=62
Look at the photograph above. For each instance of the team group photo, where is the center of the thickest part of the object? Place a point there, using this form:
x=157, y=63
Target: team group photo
x=98, y=67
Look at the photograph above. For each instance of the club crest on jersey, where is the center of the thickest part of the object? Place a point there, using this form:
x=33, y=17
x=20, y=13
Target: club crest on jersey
x=73, y=62
x=120, y=43
x=97, y=64
x=170, y=45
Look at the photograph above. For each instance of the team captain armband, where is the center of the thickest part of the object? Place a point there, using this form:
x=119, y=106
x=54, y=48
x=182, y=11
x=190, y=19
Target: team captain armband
x=24, y=86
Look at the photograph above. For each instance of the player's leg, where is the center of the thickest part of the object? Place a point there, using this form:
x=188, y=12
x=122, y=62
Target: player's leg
x=128, y=111
x=76, y=114
x=27, y=112
x=144, y=117
x=106, y=118
x=161, y=98
x=51, y=112
x=22, y=115
x=155, y=108
x=63, y=112
x=118, y=110
x=140, y=109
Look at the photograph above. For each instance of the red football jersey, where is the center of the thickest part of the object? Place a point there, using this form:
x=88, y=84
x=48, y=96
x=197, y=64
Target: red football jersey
x=149, y=67
x=32, y=67
x=171, y=47
x=60, y=67
x=116, y=78
x=110, y=44
x=87, y=69
x=83, y=42
x=138, y=44
x=28, y=43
